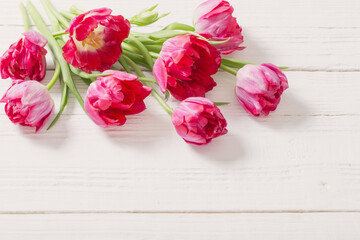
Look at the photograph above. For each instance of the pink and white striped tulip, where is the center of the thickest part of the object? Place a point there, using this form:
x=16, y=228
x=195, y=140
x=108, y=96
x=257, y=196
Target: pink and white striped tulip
x=213, y=19
x=28, y=103
x=259, y=88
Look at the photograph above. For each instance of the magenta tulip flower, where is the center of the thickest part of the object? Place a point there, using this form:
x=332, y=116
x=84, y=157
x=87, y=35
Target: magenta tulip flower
x=25, y=59
x=109, y=99
x=185, y=66
x=95, y=40
x=197, y=120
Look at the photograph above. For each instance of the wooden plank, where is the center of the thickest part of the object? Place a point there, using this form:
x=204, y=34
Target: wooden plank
x=102, y=185
x=298, y=48
x=324, y=226
x=289, y=161
x=296, y=13
x=284, y=163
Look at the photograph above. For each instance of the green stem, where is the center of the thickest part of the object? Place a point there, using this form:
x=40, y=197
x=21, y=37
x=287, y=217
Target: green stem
x=128, y=47
x=143, y=50
x=136, y=58
x=135, y=67
x=76, y=10
x=53, y=21
x=65, y=70
x=59, y=33
x=63, y=103
x=154, y=48
x=154, y=55
x=235, y=63
x=145, y=79
x=179, y=26
x=155, y=94
x=65, y=90
x=62, y=20
x=83, y=74
x=67, y=15
x=228, y=69
x=25, y=17
x=55, y=76
x=124, y=64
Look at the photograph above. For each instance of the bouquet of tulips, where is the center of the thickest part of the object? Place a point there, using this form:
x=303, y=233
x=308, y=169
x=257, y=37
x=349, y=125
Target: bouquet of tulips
x=102, y=50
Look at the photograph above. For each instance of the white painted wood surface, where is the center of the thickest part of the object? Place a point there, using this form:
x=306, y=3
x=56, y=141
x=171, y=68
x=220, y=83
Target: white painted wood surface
x=293, y=175
x=246, y=226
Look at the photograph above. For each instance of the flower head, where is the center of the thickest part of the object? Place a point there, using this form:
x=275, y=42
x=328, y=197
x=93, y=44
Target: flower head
x=185, y=66
x=95, y=40
x=197, y=120
x=25, y=59
x=259, y=88
x=213, y=19
x=109, y=99
x=28, y=103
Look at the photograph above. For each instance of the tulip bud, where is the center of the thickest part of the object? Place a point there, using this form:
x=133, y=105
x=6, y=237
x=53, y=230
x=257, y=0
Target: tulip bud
x=147, y=17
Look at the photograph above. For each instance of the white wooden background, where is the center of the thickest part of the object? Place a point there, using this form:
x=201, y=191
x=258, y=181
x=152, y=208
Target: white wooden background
x=293, y=175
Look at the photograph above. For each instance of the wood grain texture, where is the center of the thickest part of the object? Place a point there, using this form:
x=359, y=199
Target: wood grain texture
x=295, y=13
x=293, y=175
x=303, y=157
x=320, y=49
x=181, y=226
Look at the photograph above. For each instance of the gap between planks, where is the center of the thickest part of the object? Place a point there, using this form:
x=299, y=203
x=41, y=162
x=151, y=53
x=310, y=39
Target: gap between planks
x=162, y=26
x=176, y=212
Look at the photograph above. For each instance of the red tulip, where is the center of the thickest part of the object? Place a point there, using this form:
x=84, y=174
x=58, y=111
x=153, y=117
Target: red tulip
x=25, y=59
x=259, y=88
x=185, y=66
x=28, y=103
x=109, y=99
x=213, y=19
x=197, y=120
x=95, y=40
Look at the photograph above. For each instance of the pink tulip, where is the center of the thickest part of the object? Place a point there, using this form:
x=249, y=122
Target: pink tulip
x=109, y=99
x=197, y=120
x=185, y=66
x=25, y=59
x=259, y=88
x=95, y=40
x=213, y=19
x=28, y=103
